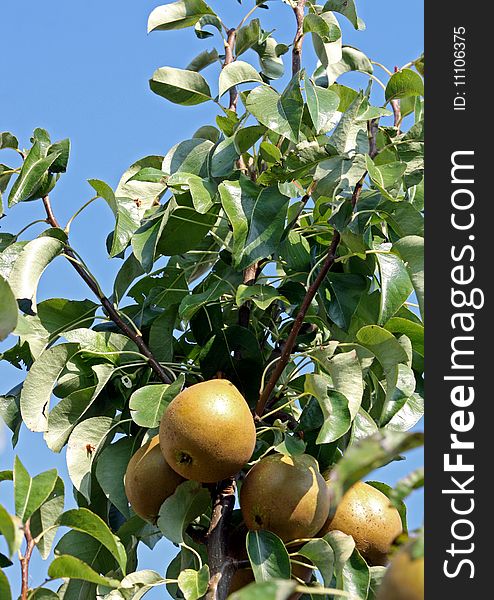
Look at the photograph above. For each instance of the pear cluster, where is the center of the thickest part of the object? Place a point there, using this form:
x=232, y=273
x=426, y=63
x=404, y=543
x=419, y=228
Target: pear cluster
x=207, y=434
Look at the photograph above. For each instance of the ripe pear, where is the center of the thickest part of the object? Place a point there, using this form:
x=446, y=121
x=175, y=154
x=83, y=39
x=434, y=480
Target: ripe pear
x=286, y=495
x=149, y=480
x=404, y=579
x=368, y=516
x=207, y=433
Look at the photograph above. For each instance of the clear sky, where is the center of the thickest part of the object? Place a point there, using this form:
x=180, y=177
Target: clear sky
x=80, y=69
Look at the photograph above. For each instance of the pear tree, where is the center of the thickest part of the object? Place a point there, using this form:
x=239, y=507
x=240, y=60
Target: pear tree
x=260, y=352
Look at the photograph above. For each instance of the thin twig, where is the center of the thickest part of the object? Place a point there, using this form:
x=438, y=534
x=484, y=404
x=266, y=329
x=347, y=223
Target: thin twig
x=30, y=544
x=289, y=344
x=105, y=302
x=229, y=58
x=299, y=320
x=299, y=11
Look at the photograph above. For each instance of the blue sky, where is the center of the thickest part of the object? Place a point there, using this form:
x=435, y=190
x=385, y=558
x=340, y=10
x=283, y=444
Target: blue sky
x=80, y=69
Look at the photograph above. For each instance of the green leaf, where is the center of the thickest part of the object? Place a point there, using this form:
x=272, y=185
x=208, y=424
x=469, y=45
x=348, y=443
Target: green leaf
x=8, y=140
x=385, y=175
x=203, y=60
x=346, y=376
x=328, y=53
x=33, y=179
x=270, y=60
x=148, y=403
x=377, y=574
x=127, y=216
x=368, y=455
x=385, y=347
x=39, y=382
x=129, y=272
x=246, y=137
x=163, y=288
x=62, y=149
x=71, y=409
x=180, y=213
x=30, y=265
x=352, y=59
x=322, y=104
x=408, y=415
x=43, y=594
x=396, y=286
x=344, y=137
x=11, y=529
x=268, y=556
x=86, y=548
x=85, y=521
x=69, y=567
x=400, y=385
x=247, y=36
x=189, y=156
x=321, y=555
x=208, y=132
x=235, y=74
x=5, y=592
x=177, y=15
x=144, y=193
x=83, y=445
x=257, y=216
x=411, y=250
x=334, y=405
x=194, y=584
x=189, y=501
x=327, y=31
x=346, y=291
x=110, y=471
x=31, y=493
x=8, y=310
x=414, y=331
x=282, y=114
x=205, y=21
x=403, y=84
x=262, y=295
x=179, y=86
x=224, y=157
x=280, y=589
x=46, y=516
x=406, y=485
x=346, y=8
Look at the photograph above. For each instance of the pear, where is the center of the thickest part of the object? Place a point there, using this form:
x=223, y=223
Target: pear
x=286, y=495
x=207, y=433
x=149, y=480
x=368, y=516
x=404, y=579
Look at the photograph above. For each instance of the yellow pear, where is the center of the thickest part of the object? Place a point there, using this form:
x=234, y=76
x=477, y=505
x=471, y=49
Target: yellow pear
x=286, y=495
x=404, y=579
x=149, y=481
x=368, y=516
x=207, y=433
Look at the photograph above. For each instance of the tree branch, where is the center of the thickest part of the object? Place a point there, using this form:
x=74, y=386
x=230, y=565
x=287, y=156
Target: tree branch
x=105, y=302
x=30, y=544
x=312, y=291
x=299, y=37
x=229, y=58
x=221, y=566
x=299, y=320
